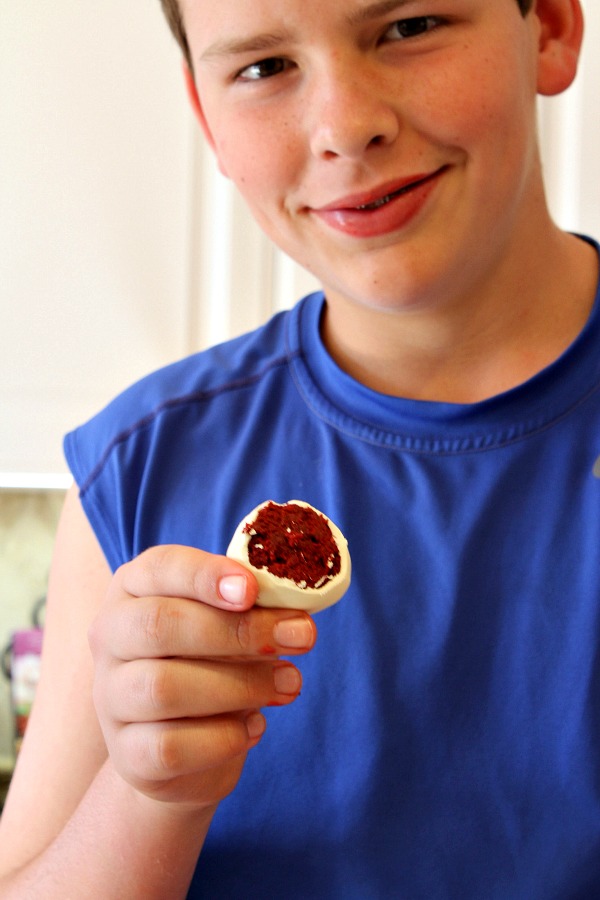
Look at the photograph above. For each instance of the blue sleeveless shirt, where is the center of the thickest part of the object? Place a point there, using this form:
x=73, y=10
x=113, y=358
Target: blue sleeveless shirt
x=446, y=744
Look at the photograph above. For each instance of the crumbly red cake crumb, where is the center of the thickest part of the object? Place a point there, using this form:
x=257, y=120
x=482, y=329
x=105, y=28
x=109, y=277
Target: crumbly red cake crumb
x=293, y=542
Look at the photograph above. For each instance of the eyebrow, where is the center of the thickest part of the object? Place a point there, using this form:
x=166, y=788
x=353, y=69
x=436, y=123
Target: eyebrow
x=260, y=43
x=374, y=10
x=255, y=44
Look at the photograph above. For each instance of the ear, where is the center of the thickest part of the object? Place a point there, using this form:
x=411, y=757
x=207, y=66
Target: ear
x=196, y=104
x=560, y=37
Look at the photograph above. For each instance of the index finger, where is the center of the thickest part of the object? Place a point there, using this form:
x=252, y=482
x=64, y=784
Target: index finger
x=172, y=570
x=168, y=628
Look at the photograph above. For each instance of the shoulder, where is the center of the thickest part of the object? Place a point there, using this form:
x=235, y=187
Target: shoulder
x=211, y=372
x=201, y=381
x=192, y=429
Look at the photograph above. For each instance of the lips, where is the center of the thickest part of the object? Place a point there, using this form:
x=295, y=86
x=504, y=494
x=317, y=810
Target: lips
x=388, y=208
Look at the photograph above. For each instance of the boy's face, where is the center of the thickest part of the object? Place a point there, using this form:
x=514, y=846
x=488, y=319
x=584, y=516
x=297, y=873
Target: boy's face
x=389, y=147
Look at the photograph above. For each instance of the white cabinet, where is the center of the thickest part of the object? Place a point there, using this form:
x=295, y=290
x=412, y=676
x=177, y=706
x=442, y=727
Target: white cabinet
x=120, y=247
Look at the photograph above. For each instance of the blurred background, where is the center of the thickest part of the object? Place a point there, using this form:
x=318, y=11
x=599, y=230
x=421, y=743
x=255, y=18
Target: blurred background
x=122, y=249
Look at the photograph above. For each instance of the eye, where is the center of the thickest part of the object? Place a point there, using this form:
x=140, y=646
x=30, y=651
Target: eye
x=264, y=68
x=408, y=28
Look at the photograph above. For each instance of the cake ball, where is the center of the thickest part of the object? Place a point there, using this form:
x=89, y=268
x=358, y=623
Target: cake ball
x=299, y=557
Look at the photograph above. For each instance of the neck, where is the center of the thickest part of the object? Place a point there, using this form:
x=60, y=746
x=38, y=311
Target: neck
x=470, y=348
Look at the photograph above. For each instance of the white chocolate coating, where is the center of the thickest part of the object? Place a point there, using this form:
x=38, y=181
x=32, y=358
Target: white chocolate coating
x=283, y=593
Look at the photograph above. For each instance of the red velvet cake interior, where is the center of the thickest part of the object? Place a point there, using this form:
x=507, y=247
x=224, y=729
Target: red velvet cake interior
x=294, y=542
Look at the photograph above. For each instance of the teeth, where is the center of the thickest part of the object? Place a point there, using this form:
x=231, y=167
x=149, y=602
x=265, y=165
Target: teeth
x=381, y=202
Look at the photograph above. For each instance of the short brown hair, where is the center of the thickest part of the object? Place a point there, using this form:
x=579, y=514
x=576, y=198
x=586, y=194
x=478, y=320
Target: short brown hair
x=175, y=19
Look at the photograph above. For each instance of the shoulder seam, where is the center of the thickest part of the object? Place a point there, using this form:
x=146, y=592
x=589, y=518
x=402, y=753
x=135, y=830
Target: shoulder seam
x=173, y=402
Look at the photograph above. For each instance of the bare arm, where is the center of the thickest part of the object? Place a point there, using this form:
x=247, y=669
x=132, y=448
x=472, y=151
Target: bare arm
x=130, y=749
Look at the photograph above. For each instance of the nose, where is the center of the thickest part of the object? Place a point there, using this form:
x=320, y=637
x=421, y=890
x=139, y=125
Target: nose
x=350, y=113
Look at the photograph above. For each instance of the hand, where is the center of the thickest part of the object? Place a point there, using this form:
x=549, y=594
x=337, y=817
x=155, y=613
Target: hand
x=183, y=663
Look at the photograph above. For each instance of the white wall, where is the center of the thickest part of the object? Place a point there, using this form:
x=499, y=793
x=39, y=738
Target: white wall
x=120, y=248
x=570, y=139
x=95, y=149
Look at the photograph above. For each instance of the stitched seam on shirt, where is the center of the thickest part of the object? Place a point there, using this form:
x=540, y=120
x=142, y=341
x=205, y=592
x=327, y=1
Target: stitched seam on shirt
x=338, y=419
x=199, y=396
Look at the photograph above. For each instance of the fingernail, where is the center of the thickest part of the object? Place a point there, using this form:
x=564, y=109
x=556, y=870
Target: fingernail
x=255, y=725
x=294, y=633
x=287, y=680
x=232, y=589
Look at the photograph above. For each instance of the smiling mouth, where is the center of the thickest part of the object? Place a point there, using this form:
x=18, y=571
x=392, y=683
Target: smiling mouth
x=379, y=212
x=406, y=189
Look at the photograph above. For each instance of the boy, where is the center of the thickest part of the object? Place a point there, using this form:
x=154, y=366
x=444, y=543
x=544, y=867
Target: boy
x=439, y=401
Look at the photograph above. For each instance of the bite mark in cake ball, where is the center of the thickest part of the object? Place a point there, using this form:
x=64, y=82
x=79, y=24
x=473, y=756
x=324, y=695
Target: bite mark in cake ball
x=298, y=556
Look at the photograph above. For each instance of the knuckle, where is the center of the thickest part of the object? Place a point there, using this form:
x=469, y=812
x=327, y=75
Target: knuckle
x=148, y=756
x=151, y=752
x=242, y=633
x=158, y=690
x=133, y=756
x=169, y=570
x=157, y=562
x=234, y=739
x=124, y=580
x=159, y=623
x=202, y=581
x=195, y=578
x=146, y=573
x=166, y=752
x=153, y=757
x=253, y=685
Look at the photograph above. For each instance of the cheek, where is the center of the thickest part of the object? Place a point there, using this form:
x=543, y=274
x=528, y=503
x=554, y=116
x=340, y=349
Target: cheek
x=262, y=163
x=464, y=118
x=480, y=101
x=250, y=174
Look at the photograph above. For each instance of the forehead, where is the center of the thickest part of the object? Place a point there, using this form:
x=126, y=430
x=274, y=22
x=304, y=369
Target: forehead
x=220, y=28
x=241, y=15
x=217, y=29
